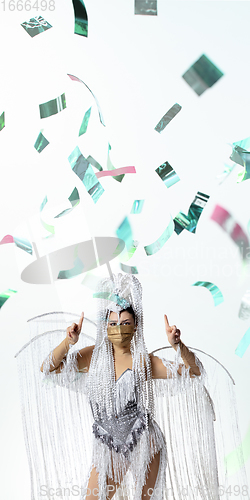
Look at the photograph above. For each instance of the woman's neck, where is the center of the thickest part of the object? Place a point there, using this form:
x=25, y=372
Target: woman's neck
x=121, y=350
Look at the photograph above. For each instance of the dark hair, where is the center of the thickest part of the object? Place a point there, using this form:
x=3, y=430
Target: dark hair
x=129, y=309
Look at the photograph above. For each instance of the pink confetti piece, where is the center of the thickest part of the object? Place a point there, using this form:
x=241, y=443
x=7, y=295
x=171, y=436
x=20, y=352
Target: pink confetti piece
x=7, y=239
x=116, y=171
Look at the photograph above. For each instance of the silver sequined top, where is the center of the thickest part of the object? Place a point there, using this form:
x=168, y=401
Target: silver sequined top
x=123, y=430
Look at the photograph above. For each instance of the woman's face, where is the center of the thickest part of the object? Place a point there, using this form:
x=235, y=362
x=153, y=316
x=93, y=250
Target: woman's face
x=121, y=335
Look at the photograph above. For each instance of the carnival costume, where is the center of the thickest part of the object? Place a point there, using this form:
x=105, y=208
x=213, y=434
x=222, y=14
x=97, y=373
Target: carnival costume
x=80, y=420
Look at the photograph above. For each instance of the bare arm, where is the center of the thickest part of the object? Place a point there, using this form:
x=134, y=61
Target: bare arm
x=60, y=352
x=188, y=357
x=159, y=370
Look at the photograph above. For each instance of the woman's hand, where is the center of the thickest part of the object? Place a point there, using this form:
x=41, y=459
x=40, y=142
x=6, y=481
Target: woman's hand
x=173, y=333
x=74, y=330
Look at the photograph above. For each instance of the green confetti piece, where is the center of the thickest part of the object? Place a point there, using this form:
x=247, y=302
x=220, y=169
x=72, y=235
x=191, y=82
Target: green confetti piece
x=45, y=200
x=236, y=155
x=113, y=298
x=94, y=163
x=243, y=345
x=244, y=311
x=48, y=227
x=74, y=200
x=6, y=295
x=124, y=232
x=241, y=156
x=146, y=7
x=202, y=75
x=85, y=122
x=137, y=207
x=243, y=144
x=129, y=269
x=19, y=242
x=227, y=171
x=81, y=18
x=160, y=242
x=36, y=25
x=171, y=113
x=189, y=222
x=85, y=172
x=76, y=79
x=2, y=121
x=243, y=176
x=216, y=293
x=52, y=107
x=130, y=252
x=23, y=244
x=167, y=174
x=110, y=166
x=233, y=461
x=77, y=269
x=41, y=143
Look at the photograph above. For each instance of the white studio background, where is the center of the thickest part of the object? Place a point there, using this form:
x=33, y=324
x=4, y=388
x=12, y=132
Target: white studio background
x=133, y=64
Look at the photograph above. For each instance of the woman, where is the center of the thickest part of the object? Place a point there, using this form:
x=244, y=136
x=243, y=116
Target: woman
x=127, y=440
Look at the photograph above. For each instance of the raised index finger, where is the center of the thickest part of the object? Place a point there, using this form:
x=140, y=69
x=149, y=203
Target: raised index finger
x=166, y=321
x=80, y=322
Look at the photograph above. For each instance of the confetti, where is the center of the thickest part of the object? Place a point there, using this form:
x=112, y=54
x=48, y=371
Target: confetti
x=7, y=239
x=167, y=174
x=74, y=200
x=36, y=25
x=85, y=122
x=110, y=166
x=202, y=75
x=171, y=113
x=242, y=157
x=48, y=227
x=216, y=293
x=81, y=18
x=95, y=163
x=117, y=171
x=85, y=172
x=6, y=295
x=75, y=79
x=2, y=121
x=240, y=147
x=232, y=461
x=243, y=345
x=227, y=170
x=90, y=281
x=158, y=244
x=41, y=143
x=52, y=107
x=146, y=7
x=137, y=207
x=19, y=242
x=189, y=222
x=244, y=312
x=124, y=232
x=77, y=269
x=129, y=269
x=232, y=228
x=113, y=297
